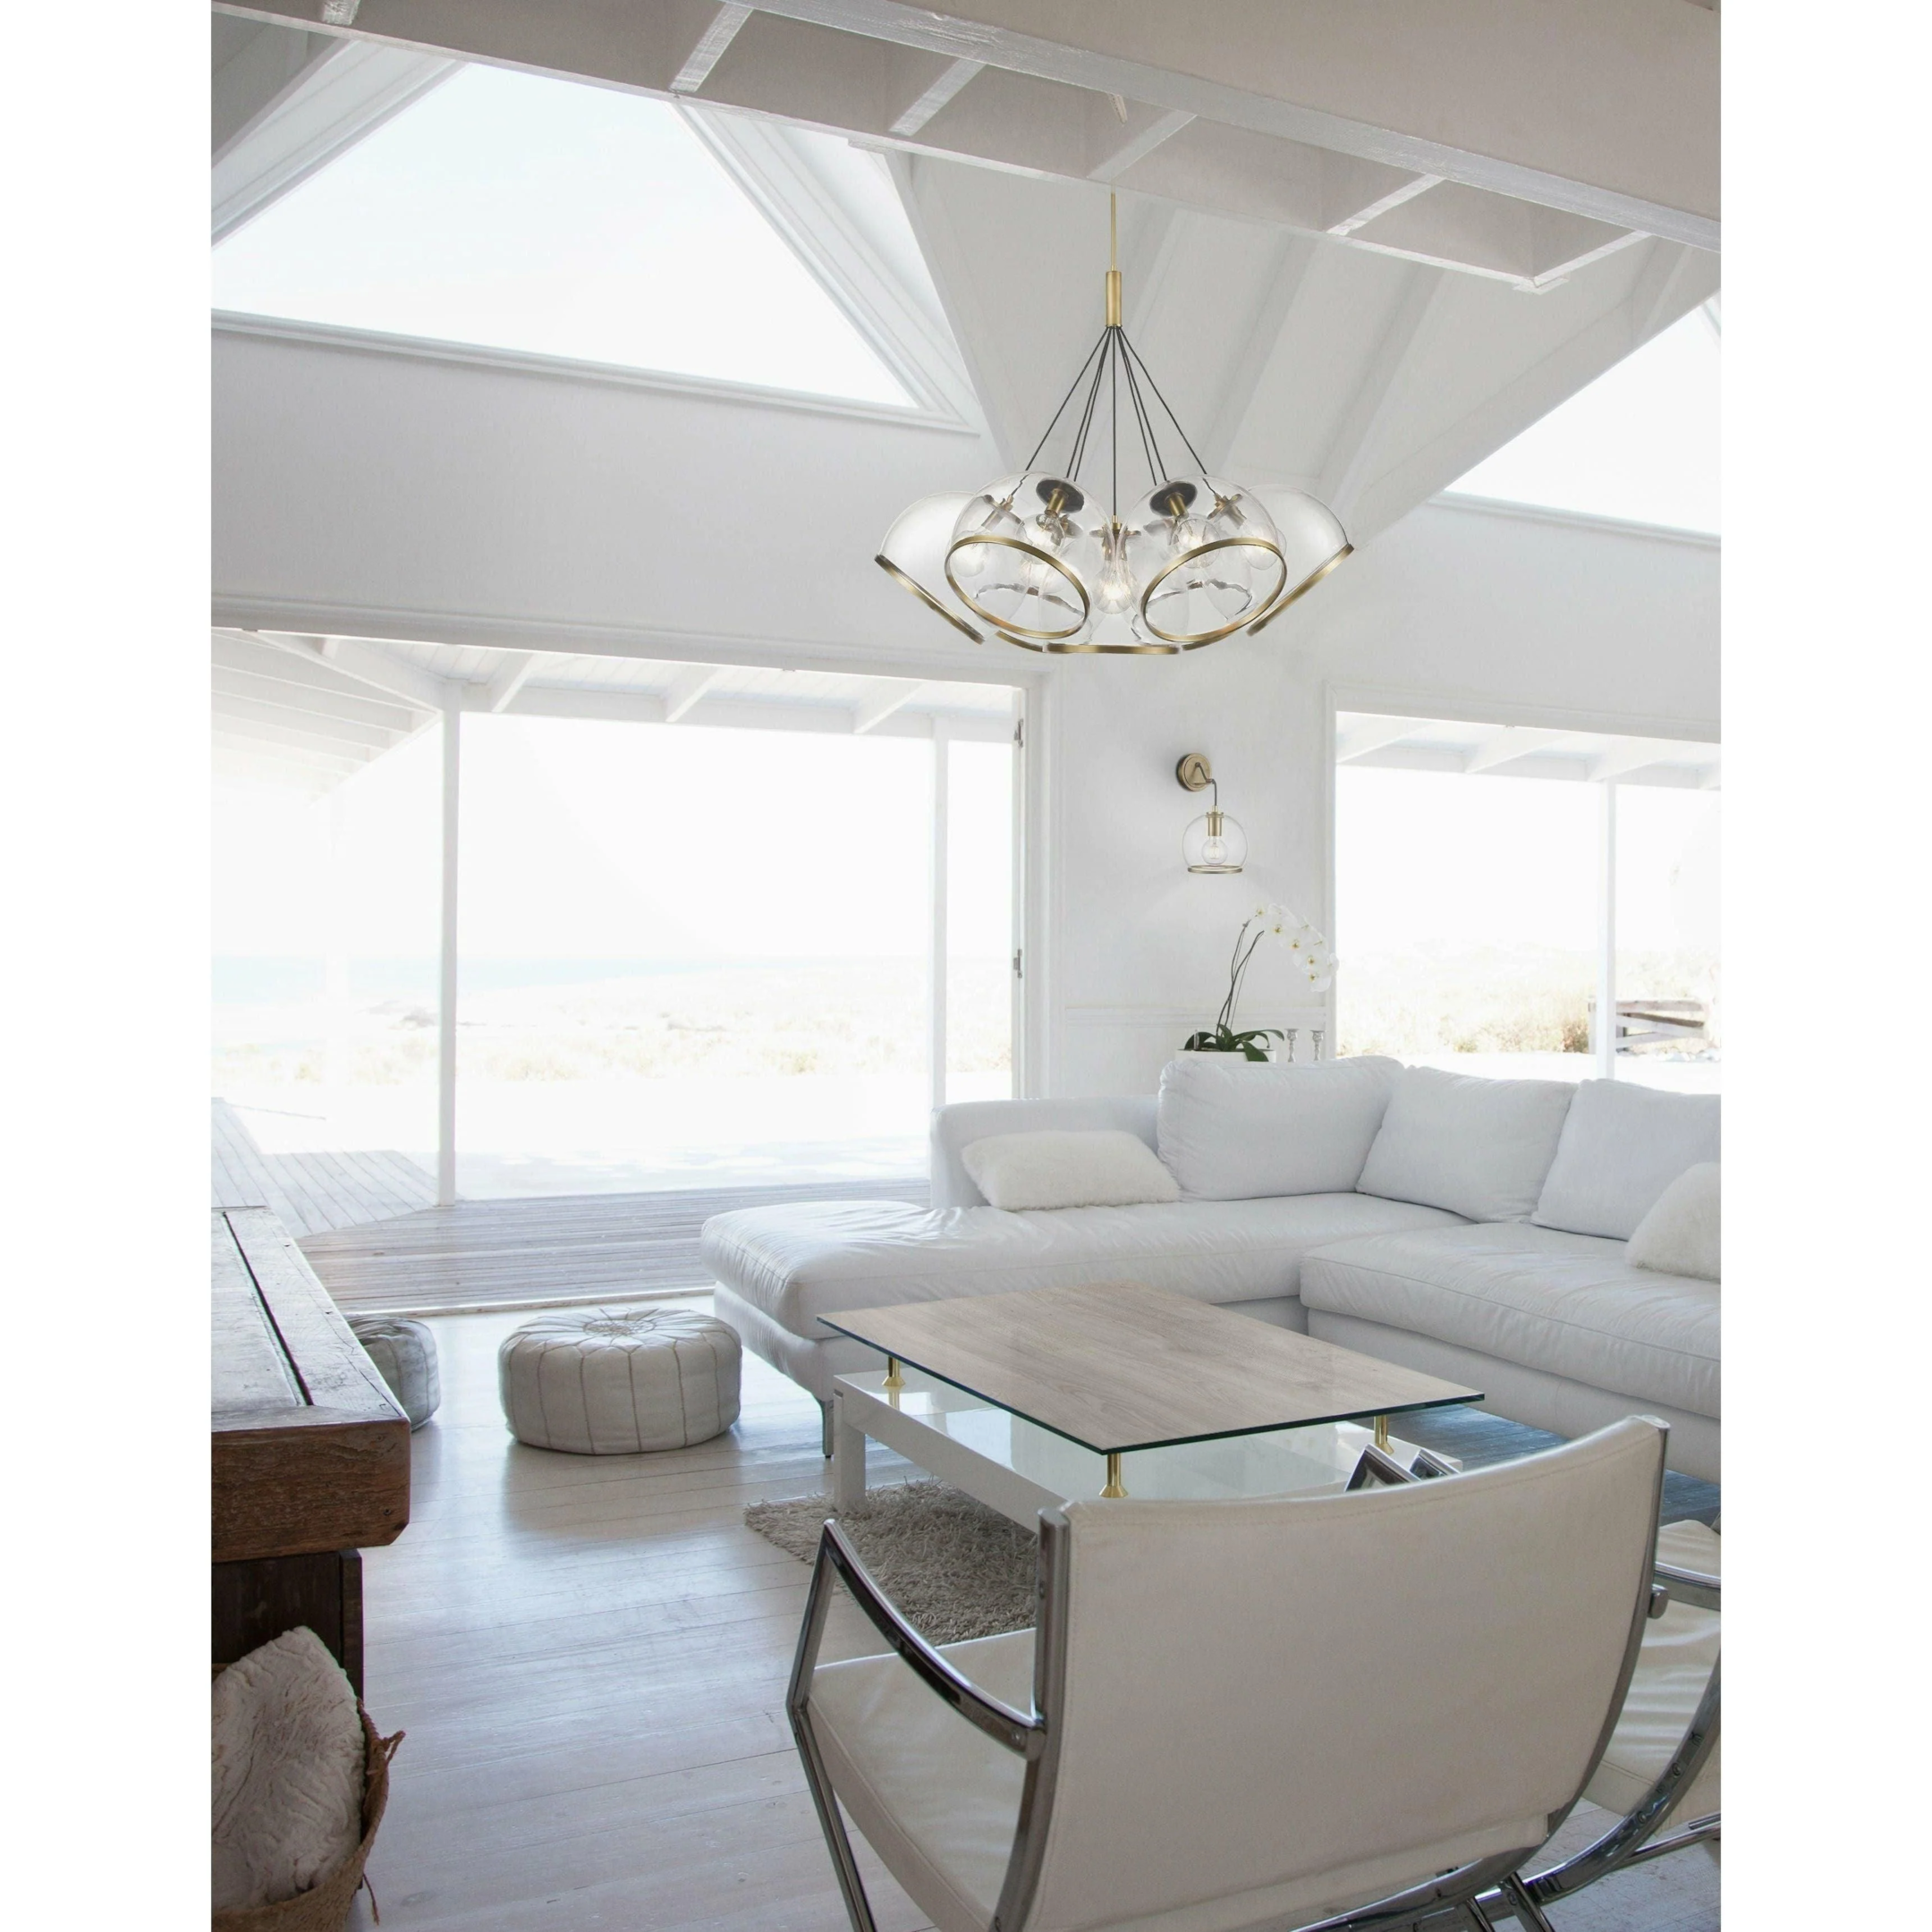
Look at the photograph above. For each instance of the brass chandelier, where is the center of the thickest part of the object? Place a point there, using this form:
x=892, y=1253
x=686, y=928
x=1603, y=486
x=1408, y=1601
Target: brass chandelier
x=1037, y=559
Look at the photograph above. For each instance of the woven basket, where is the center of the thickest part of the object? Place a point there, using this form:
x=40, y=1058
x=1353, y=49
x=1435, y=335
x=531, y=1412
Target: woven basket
x=325, y=1907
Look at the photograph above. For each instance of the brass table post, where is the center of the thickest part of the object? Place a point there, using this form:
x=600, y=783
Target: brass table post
x=1115, y=1487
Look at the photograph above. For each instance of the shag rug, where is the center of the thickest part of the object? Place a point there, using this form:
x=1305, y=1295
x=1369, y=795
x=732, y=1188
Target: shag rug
x=955, y=1568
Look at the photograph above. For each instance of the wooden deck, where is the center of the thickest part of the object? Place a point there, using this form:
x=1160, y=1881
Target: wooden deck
x=589, y=1656
x=548, y=1251
x=310, y=1193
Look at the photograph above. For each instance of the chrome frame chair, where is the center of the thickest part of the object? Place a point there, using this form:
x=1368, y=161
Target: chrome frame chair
x=1466, y=1893
x=1629, y=1842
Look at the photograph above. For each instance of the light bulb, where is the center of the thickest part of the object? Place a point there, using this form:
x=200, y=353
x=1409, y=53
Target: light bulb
x=1213, y=851
x=969, y=560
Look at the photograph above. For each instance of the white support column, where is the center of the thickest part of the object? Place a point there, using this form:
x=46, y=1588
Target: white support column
x=935, y=1051
x=335, y=958
x=1603, y=1043
x=446, y=974
x=1016, y=1047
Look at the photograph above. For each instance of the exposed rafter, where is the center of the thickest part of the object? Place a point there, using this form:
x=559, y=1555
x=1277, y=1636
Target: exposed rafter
x=709, y=50
x=687, y=687
x=369, y=664
x=511, y=675
x=1367, y=735
x=917, y=113
x=1508, y=743
x=886, y=696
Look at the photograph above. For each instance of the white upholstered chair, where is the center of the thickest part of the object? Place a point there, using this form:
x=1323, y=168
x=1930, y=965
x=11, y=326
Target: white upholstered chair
x=1660, y=1773
x=1360, y=1709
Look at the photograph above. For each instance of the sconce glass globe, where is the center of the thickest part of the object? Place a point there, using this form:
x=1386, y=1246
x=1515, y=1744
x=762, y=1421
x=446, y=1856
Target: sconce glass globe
x=1214, y=842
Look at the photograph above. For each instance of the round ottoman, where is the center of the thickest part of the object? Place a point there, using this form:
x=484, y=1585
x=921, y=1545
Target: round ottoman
x=616, y=1381
x=405, y=1352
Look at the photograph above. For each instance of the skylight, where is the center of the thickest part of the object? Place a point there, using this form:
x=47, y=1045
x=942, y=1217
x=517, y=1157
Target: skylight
x=1640, y=443
x=510, y=211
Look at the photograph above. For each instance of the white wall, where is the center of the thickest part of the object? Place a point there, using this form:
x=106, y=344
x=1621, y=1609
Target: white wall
x=401, y=497
x=1453, y=611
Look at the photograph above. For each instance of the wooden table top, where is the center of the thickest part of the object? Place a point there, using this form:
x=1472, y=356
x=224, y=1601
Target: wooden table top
x=310, y=1450
x=1118, y=1366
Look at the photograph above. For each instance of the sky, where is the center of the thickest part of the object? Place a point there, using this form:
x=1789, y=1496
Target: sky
x=520, y=212
x=1437, y=859
x=591, y=840
x=1640, y=443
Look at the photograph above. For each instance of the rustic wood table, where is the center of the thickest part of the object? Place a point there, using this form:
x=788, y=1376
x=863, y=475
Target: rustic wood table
x=309, y=1452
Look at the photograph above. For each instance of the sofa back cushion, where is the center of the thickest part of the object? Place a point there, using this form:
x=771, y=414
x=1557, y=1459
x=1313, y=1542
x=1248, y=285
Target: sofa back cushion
x=1479, y=1148
x=1622, y=1146
x=1236, y=1130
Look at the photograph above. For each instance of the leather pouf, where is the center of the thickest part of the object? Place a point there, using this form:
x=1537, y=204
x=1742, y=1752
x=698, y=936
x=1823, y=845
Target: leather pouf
x=405, y=1352
x=616, y=1381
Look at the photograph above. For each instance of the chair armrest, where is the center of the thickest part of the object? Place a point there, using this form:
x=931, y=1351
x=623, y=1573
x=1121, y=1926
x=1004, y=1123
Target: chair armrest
x=1694, y=1587
x=1019, y=1731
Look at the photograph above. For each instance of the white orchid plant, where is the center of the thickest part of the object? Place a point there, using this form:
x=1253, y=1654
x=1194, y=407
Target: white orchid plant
x=1310, y=961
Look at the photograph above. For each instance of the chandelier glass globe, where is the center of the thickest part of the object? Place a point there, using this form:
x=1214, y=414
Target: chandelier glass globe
x=1047, y=561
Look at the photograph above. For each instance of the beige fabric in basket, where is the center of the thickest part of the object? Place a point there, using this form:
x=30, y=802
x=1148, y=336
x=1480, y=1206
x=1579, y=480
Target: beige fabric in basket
x=289, y=1753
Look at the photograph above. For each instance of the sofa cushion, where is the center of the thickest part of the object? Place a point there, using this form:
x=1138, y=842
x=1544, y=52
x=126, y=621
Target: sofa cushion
x=1569, y=1304
x=796, y=1263
x=1479, y=1148
x=1232, y=1130
x=1103, y=1167
x=1622, y=1146
x=1680, y=1235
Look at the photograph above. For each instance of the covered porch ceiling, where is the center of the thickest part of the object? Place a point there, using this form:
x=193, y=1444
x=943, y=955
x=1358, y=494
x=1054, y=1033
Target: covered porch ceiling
x=1364, y=738
x=308, y=712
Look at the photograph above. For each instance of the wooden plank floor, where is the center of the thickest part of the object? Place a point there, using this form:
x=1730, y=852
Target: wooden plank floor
x=590, y=1657
x=312, y=1192
x=547, y=1251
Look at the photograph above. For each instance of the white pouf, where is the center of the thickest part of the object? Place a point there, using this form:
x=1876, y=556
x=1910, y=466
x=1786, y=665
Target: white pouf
x=616, y=1381
x=405, y=1353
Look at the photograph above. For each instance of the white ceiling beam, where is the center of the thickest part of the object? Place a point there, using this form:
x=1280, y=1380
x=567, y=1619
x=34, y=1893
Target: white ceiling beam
x=283, y=726
x=612, y=707
x=914, y=118
x=1139, y=144
x=369, y=664
x=710, y=49
x=257, y=66
x=251, y=657
x=294, y=696
x=511, y=675
x=687, y=687
x=1271, y=324
x=878, y=703
x=1347, y=467
x=1508, y=743
x=1366, y=735
x=1625, y=755
x=1356, y=211
x=1614, y=119
x=335, y=102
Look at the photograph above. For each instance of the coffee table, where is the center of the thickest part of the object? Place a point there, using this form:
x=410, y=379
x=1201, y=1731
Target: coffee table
x=1114, y=1388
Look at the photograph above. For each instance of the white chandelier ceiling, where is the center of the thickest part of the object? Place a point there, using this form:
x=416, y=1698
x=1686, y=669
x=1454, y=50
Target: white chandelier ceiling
x=1037, y=559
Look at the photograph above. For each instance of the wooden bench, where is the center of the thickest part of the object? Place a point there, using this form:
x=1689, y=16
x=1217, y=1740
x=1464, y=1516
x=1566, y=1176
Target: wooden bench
x=310, y=1452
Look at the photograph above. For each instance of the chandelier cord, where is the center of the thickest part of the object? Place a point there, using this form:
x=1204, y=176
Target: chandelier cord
x=1078, y=454
x=1071, y=389
x=1171, y=418
x=1150, y=442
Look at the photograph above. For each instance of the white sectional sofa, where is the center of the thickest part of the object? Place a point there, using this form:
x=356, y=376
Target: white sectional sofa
x=1472, y=1228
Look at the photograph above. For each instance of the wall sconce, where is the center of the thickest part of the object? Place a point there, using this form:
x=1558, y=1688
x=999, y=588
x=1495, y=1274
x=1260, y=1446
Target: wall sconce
x=1214, y=841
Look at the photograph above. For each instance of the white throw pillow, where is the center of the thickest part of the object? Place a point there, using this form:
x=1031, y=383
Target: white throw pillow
x=1622, y=1146
x=289, y=1760
x=1105, y=1167
x=1237, y=1129
x=1680, y=1236
x=1479, y=1148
